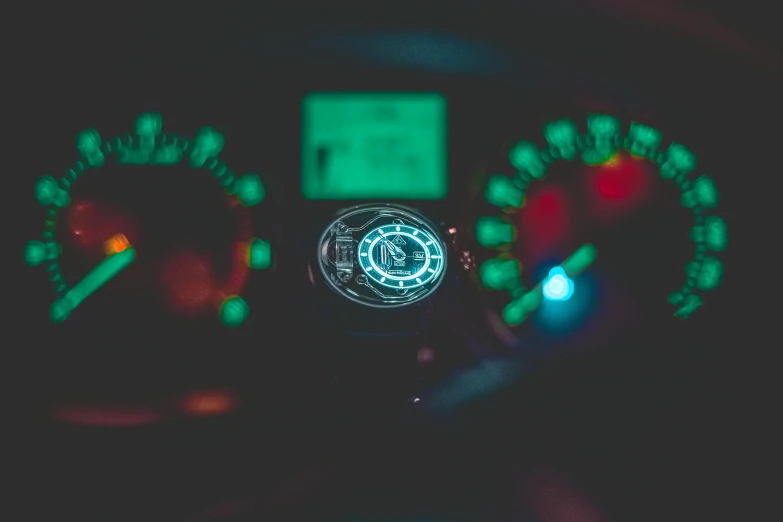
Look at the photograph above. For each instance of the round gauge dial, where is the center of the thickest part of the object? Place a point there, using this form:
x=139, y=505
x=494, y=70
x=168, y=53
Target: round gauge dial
x=382, y=256
x=95, y=239
x=570, y=223
x=400, y=256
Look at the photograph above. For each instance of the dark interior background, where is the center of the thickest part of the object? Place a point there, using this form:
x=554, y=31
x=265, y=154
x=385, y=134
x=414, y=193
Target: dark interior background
x=651, y=426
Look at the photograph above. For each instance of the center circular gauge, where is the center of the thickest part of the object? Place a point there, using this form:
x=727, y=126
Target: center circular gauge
x=382, y=256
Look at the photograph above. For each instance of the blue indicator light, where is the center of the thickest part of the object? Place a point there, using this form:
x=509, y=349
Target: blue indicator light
x=557, y=286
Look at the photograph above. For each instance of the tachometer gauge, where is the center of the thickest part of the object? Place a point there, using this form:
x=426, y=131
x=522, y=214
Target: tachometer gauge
x=141, y=212
x=572, y=225
x=382, y=256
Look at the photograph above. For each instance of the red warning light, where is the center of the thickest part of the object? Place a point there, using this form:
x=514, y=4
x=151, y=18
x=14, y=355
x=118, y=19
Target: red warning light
x=619, y=178
x=546, y=221
x=189, y=280
x=620, y=184
x=90, y=224
x=208, y=402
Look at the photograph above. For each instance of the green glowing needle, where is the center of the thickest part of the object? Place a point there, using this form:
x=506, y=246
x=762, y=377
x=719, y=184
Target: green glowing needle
x=100, y=275
x=578, y=262
x=517, y=311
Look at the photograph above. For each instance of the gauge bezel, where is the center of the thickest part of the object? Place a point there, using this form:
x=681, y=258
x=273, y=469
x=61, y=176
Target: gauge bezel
x=433, y=256
x=362, y=287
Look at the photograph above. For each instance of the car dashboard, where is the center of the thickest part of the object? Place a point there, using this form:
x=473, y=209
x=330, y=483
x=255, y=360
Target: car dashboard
x=343, y=271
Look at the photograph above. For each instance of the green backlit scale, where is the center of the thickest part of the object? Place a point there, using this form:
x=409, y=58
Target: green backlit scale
x=603, y=139
x=149, y=146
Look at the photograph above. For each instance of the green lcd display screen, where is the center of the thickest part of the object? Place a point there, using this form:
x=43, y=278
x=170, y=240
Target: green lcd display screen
x=374, y=146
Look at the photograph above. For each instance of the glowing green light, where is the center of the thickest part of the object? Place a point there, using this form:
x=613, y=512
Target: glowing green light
x=526, y=158
x=38, y=252
x=702, y=193
x=234, y=311
x=676, y=298
x=260, y=254
x=698, y=234
x=515, y=313
x=679, y=161
x=501, y=192
x=577, y=262
x=602, y=140
x=562, y=136
x=100, y=275
x=60, y=310
x=250, y=190
x=643, y=140
x=208, y=144
x=710, y=274
x=713, y=234
x=88, y=143
x=717, y=236
x=690, y=305
x=151, y=148
x=560, y=289
x=492, y=232
x=500, y=274
x=148, y=127
x=706, y=192
x=692, y=269
x=48, y=192
x=517, y=310
x=688, y=199
x=379, y=145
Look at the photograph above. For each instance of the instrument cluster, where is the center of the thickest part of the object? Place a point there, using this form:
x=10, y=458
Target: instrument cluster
x=337, y=240
x=512, y=216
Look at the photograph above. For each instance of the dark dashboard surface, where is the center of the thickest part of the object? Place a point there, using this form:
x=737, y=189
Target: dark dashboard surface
x=142, y=415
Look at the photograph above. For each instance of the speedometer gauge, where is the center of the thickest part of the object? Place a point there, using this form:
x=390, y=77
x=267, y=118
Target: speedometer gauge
x=382, y=256
x=152, y=214
x=585, y=215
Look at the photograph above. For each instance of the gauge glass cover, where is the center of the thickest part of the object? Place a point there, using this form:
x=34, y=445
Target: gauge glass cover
x=382, y=256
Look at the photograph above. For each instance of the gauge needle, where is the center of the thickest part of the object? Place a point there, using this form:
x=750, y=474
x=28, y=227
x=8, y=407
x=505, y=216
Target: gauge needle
x=517, y=311
x=100, y=275
x=398, y=252
x=578, y=262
